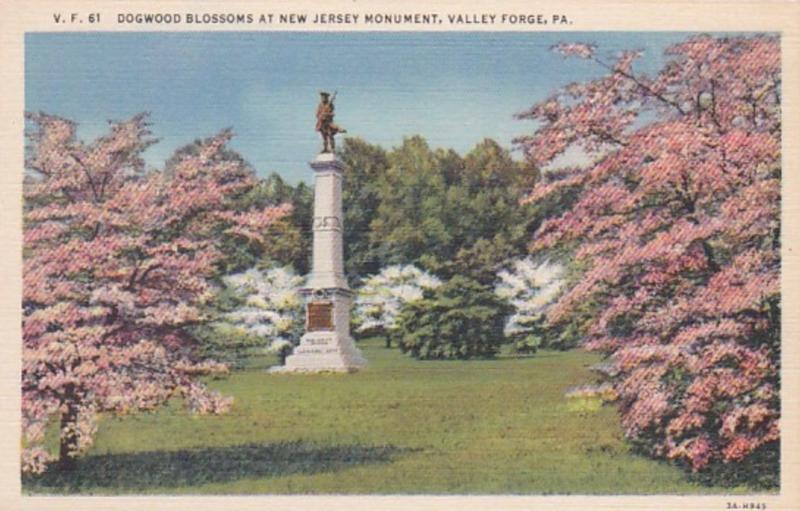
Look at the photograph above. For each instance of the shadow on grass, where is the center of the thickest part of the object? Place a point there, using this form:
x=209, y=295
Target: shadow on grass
x=165, y=469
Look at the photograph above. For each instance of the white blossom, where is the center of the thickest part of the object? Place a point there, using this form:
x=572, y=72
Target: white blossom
x=530, y=287
x=272, y=307
x=380, y=299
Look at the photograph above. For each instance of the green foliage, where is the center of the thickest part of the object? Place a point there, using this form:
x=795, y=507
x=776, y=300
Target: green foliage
x=288, y=241
x=461, y=319
x=225, y=343
x=365, y=165
x=571, y=333
x=409, y=220
x=447, y=213
x=434, y=208
x=531, y=337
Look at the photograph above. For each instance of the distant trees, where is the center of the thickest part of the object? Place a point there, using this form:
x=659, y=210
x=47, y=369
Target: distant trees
x=116, y=269
x=677, y=228
x=448, y=217
x=445, y=213
x=365, y=166
x=288, y=239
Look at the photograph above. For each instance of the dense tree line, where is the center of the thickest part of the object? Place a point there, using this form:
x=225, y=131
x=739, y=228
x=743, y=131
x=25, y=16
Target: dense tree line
x=446, y=213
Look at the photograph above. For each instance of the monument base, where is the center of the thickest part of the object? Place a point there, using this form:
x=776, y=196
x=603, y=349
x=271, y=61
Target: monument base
x=323, y=351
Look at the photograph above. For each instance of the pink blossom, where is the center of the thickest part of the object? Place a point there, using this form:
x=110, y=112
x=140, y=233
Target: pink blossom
x=116, y=268
x=575, y=49
x=677, y=224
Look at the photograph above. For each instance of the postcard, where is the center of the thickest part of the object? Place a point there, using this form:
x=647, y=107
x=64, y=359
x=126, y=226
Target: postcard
x=371, y=255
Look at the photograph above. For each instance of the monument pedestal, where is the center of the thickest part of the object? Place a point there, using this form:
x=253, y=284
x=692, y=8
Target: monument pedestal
x=326, y=345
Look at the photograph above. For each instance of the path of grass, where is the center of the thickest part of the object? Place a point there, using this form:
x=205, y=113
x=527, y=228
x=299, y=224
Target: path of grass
x=401, y=426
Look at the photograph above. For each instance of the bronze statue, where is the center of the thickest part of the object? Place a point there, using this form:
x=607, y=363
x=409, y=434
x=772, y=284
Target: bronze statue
x=325, y=125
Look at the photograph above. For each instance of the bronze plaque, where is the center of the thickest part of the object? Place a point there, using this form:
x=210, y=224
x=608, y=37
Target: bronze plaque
x=319, y=316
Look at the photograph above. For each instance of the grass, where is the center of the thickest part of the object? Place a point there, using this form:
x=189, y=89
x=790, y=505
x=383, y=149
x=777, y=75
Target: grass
x=400, y=426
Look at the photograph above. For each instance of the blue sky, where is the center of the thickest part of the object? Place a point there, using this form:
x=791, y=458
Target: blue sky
x=452, y=88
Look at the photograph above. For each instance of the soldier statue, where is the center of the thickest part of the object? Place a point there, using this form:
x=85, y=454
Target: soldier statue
x=325, y=125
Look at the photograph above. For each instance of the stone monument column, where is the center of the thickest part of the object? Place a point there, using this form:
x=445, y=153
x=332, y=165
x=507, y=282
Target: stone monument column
x=326, y=345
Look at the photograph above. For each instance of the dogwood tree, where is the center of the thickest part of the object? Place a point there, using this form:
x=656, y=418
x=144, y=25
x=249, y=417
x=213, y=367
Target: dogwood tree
x=116, y=262
x=381, y=297
x=271, y=307
x=529, y=287
x=678, y=225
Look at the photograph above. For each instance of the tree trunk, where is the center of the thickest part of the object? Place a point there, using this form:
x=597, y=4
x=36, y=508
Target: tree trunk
x=388, y=341
x=68, y=439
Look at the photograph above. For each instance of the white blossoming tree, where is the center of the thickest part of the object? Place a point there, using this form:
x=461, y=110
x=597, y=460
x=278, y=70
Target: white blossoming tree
x=380, y=299
x=530, y=287
x=271, y=307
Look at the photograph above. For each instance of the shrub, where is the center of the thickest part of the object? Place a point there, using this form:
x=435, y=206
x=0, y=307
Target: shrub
x=461, y=319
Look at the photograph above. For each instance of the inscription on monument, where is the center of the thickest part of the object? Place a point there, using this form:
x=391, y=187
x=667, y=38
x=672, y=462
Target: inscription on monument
x=327, y=222
x=317, y=342
x=320, y=316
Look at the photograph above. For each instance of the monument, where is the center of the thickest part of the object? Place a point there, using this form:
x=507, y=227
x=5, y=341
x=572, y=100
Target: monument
x=326, y=344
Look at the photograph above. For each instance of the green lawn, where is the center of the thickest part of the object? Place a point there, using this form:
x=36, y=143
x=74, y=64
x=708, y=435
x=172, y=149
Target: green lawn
x=401, y=426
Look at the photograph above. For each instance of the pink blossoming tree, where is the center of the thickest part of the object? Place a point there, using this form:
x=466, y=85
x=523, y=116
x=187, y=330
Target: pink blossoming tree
x=116, y=267
x=677, y=223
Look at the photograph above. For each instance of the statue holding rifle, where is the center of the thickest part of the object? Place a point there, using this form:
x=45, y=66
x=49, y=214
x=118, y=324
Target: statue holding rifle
x=325, y=125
